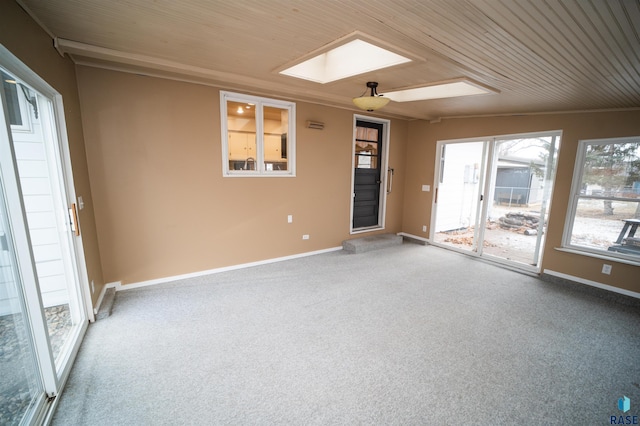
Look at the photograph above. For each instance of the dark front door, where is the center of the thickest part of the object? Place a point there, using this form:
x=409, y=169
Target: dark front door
x=366, y=181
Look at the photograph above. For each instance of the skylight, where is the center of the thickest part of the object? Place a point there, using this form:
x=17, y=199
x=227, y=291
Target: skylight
x=437, y=91
x=352, y=58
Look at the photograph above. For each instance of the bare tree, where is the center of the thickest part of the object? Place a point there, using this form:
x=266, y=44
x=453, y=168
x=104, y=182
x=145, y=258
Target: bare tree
x=613, y=167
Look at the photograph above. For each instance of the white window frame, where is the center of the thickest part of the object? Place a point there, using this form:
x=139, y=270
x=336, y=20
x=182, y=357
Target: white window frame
x=260, y=103
x=575, y=196
x=23, y=110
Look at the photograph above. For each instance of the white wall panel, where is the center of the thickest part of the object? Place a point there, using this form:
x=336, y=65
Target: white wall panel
x=44, y=235
x=42, y=220
x=39, y=204
x=32, y=168
x=35, y=186
x=29, y=151
x=45, y=253
x=50, y=268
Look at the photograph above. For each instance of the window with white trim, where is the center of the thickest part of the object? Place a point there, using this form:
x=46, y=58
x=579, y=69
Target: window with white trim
x=258, y=136
x=604, y=213
x=17, y=96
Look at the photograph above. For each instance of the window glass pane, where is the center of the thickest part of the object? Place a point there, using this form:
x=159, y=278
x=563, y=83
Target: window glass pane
x=276, y=124
x=366, y=134
x=10, y=87
x=241, y=126
x=607, y=225
x=20, y=383
x=612, y=170
x=366, y=162
x=607, y=206
x=366, y=154
x=366, y=148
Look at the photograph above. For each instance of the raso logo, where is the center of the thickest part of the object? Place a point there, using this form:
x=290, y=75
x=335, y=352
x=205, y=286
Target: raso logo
x=624, y=405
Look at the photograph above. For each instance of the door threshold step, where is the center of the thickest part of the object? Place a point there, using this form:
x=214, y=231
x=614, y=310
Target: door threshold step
x=371, y=242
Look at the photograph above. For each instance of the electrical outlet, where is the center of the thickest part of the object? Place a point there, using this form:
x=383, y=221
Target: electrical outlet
x=290, y=218
x=305, y=237
x=424, y=228
x=93, y=287
x=606, y=269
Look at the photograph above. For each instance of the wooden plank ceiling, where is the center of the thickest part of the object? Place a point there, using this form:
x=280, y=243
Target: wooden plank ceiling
x=541, y=56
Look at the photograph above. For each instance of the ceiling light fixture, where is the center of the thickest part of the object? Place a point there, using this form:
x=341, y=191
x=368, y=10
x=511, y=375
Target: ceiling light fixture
x=372, y=102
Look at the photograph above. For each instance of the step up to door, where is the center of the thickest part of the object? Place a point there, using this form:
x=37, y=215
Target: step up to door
x=372, y=242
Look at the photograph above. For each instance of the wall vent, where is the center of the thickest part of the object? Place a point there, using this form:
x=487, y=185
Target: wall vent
x=315, y=125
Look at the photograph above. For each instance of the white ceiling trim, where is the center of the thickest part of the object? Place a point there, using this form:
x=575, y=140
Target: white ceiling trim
x=100, y=57
x=89, y=51
x=156, y=67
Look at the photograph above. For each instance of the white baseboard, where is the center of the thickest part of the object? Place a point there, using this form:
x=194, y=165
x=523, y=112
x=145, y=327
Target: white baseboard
x=592, y=283
x=101, y=295
x=414, y=237
x=119, y=286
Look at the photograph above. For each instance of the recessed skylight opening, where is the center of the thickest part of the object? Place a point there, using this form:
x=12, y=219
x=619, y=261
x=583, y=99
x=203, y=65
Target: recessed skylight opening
x=352, y=58
x=438, y=91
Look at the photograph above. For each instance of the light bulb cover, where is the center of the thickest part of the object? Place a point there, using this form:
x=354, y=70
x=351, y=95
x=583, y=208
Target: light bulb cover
x=373, y=101
x=370, y=103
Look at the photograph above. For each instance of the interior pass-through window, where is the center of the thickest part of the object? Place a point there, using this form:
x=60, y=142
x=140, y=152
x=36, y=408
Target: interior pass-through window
x=258, y=136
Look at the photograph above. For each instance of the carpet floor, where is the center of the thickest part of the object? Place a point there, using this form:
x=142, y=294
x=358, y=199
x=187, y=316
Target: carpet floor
x=406, y=335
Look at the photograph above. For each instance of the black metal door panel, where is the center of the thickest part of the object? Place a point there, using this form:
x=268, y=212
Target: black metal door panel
x=366, y=188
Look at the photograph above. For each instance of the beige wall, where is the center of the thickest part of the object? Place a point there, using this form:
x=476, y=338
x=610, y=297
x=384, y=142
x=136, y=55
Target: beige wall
x=162, y=205
x=27, y=41
x=421, y=155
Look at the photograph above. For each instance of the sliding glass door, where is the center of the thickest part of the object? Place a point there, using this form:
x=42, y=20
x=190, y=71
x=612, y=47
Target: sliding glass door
x=43, y=314
x=492, y=196
x=22, y=393
x=458, y=192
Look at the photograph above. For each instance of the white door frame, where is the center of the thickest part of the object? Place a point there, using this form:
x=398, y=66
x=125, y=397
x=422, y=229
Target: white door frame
x=26, y=267
x=16, y=67
x=487, y=185
x=53, y=377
